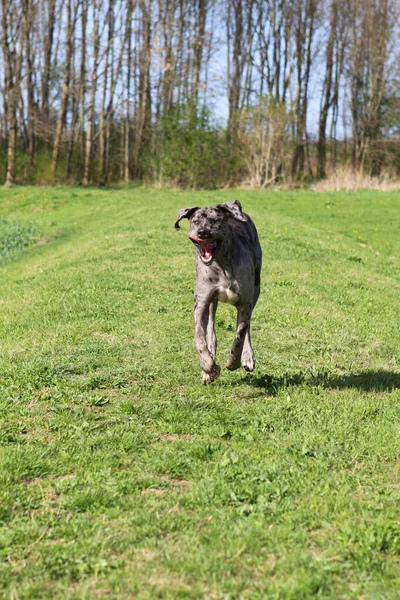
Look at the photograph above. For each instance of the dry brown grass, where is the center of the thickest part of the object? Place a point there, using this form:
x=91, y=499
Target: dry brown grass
x=346, y=180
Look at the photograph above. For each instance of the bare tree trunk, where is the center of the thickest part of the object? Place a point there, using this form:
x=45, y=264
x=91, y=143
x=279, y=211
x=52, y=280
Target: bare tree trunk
x=127, y=108
x=74, y=121
x=12, y=22
x=107, y=150
x=209, y=48
x=82, y=75
x=90, y=116
x=273, y=27
x=122, y=141
x=235, y=30
x=102, y=129
x=169, y=61
x=114, y=79
x=199, y=45
x=144, y=105
x=8, y=93
x=71, y=20
x=27, y=8
x=71, y=139
x=304, y=35
x=372, y=25
x=47, y=54
x=327, y=93
x=248, y=66
x=107, y=123
x=180, y=77
x=340, y=43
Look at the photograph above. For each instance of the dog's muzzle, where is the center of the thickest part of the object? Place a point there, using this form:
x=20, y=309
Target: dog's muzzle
x=207, y=248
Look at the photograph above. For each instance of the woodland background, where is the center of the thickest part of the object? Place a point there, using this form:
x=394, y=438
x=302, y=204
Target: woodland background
x=198, y=93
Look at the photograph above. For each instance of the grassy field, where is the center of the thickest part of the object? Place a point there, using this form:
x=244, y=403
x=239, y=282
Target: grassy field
x=121, y=476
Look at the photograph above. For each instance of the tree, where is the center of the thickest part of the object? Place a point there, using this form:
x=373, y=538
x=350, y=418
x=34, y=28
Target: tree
x=72, y=11
x=13, y=32
x=304, y=20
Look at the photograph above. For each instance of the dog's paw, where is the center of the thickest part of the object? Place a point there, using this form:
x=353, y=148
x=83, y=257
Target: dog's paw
x=212, y=376
x=233, y=362
x=248, y=362
x=206, y=378
x=249, y=368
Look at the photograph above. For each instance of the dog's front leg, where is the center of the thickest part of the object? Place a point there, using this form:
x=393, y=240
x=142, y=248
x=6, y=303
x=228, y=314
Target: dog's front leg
x=207, y=362
x=211, y=335
x=242, y=327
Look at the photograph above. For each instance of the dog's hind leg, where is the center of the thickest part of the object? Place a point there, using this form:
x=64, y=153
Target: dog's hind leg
x=242, y=329
x=248, y=357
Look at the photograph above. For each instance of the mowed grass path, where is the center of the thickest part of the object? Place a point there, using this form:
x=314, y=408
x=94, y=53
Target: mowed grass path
x=121, y=476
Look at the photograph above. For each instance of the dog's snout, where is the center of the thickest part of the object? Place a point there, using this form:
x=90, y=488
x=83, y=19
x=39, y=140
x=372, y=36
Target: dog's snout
x=203, y=232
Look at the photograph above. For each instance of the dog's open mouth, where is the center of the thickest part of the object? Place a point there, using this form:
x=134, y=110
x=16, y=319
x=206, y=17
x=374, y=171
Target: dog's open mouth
x=207, y=248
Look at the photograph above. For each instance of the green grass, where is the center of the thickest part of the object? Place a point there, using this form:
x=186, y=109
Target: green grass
x=121, y=476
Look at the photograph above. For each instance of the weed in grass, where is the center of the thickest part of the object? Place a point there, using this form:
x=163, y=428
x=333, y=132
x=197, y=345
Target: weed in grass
x=16, y=236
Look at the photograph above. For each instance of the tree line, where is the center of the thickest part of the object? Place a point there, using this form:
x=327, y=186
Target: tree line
x=97, y=91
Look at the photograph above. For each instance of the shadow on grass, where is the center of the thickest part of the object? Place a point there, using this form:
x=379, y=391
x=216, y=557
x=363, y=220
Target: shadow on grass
x=369, y=381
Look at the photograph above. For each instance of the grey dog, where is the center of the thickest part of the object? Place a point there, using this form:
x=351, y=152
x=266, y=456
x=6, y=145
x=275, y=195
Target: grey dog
x=228, y=266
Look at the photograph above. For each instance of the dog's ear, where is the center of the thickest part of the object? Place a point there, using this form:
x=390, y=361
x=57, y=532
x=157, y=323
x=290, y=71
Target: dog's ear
x=185, y=213
x=234, y=209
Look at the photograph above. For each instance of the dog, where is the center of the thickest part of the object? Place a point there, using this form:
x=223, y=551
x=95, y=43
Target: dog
x=228, y=268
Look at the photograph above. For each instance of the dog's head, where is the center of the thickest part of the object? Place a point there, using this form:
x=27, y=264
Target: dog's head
x=210, y=227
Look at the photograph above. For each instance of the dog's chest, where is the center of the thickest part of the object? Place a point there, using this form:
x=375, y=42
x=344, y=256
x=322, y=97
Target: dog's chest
x=226, y=287
x=227, y=295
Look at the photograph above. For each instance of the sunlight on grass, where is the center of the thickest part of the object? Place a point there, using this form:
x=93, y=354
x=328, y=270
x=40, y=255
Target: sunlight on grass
x=122, y=476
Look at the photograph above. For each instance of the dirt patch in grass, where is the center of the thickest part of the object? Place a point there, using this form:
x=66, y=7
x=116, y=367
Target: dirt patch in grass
x=168, y=437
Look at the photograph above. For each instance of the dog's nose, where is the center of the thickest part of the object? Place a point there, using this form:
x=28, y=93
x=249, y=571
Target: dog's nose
x=203, y=232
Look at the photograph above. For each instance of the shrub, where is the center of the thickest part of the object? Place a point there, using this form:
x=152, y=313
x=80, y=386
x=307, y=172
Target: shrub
x=188, y=150
x=264, y=141
x=346, y=179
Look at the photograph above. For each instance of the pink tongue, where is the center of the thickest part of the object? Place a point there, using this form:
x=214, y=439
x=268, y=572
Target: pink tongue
x=207, y=250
